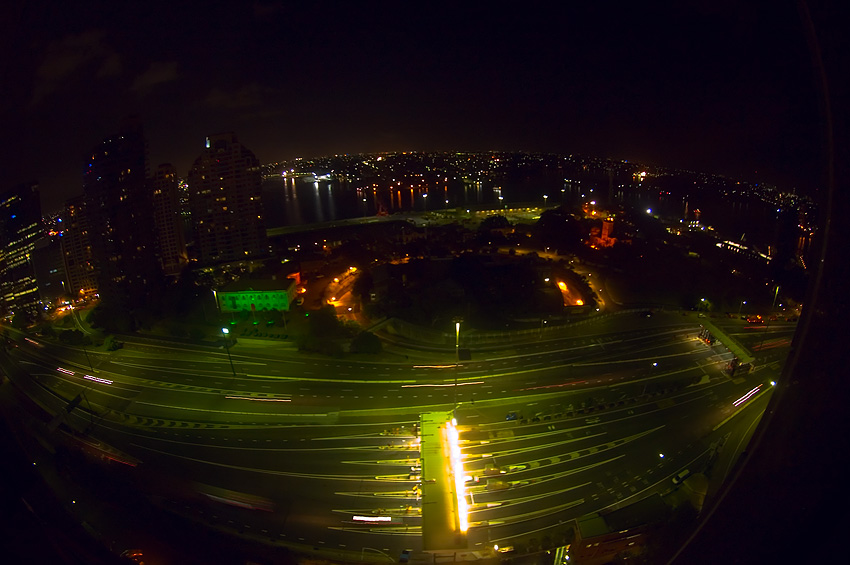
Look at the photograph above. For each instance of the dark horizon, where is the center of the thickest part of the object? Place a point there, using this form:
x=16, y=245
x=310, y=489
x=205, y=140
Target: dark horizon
x=722, y=89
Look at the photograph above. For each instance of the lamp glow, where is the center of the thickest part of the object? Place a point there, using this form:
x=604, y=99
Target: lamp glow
x=457, y=475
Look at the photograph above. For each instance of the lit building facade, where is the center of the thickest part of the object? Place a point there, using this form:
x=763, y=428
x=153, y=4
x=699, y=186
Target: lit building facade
x=80, y=274
x=257, y=295
x=225, y=202
x=171, y=245
x=20, y=229
x=607, y=228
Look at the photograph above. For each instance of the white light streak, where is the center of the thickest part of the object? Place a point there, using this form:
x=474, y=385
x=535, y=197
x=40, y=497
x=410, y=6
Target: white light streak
x=258, y=399
x=746, y=396
x=458, y=475
x=372, y=518
x=98, y=380
x=444, y=385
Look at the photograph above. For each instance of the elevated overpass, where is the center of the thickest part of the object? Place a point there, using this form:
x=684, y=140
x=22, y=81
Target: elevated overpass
x=741, y=352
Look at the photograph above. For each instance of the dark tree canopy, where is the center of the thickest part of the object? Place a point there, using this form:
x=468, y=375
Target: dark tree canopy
x=366, y=342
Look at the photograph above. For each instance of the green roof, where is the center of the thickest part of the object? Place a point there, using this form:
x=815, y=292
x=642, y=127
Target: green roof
x=259, y=285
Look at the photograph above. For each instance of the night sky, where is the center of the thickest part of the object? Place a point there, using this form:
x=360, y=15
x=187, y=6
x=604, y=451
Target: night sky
x=715, y=86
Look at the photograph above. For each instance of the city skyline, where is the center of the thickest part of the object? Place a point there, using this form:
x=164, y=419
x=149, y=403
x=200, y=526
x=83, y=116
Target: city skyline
x=725, y=90
x=369, y=283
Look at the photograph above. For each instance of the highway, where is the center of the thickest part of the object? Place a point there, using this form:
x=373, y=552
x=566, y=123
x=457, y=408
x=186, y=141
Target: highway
x=292, y=448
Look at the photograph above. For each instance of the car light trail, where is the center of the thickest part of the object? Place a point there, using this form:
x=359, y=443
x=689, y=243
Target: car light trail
x=746, y=396
x=457, y=475
x=259, y=399
x=444, y=385
x=66, y=371
x=372, y=518
x=561, y=385
x=436, y=366
x=97, y=379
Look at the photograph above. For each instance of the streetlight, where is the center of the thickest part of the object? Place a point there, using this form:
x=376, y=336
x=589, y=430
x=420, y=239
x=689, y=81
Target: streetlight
x=545, y=198
x=770, y=315
x=86, y=351
x=457, y=339
x=224, y=332
x=741, y=307
x=457, y=322
x=83, y=345
x=425, y=200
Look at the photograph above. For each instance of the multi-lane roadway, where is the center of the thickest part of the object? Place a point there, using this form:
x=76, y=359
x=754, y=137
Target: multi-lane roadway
x=320, y=454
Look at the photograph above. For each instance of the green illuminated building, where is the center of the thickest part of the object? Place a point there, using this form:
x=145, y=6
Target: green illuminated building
x=257, y=295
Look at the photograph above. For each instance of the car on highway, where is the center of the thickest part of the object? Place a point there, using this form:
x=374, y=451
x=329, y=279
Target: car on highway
x=681, y=476
x=511, y=416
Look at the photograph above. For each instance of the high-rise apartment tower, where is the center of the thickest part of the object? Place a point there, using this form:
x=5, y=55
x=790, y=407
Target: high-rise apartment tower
x=20, y=228
x=120, y=218
x=224, y=199
x=171, y=245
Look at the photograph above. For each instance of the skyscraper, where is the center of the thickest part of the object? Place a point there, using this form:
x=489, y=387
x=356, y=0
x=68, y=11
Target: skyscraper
x=171, y=245
x=80, y=274
x=120, y=218
x=20, y=228
x=224, y=198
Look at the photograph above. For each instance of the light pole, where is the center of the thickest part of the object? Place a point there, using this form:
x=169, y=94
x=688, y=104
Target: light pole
x=425, y=201
x=767, y=326
x=741, y=307
x=545, y=198
x=457, y=339
x=76, y=320
x=225, y=332
x=86, y=351
x=457, y=322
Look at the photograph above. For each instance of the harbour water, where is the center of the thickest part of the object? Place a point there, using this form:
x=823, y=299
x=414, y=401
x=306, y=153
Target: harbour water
x=294, y=201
